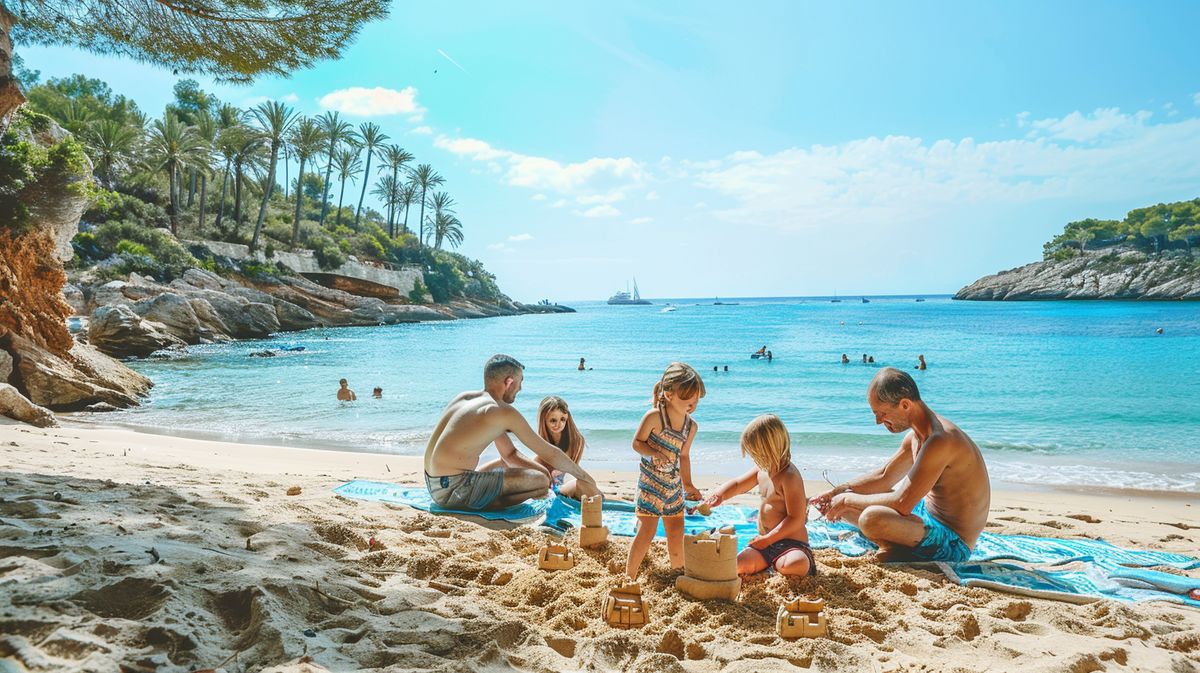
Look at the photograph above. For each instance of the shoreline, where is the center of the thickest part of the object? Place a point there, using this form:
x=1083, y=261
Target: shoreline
x=69, y=419
x=172, y=553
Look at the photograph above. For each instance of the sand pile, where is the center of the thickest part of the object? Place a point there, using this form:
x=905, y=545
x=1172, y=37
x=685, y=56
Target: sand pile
x=112, y=562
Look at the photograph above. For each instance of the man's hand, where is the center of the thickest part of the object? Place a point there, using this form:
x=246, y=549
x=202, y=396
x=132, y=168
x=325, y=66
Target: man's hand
x=587, y=488
x=821, y=502
x=836, y=508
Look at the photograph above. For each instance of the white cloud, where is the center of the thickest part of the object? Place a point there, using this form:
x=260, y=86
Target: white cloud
x=585, y=179
x=1083, y=128
x=1022, y=119
x=642, y=220
x=591, y=199
x=290, y=98
x=422, y=131
x=538, y=197
x=897, y=179
x=520, y=237
x=599, y=211
x=375, y=102
x=1170, y=108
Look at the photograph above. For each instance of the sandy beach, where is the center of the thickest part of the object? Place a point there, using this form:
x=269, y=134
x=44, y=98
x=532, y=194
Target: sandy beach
x=124, y=551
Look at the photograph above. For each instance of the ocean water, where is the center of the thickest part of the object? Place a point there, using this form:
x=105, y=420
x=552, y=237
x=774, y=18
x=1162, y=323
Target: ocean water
x=1055, y=393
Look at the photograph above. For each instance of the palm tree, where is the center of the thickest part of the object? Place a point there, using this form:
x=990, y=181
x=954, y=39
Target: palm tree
x=424, y=178
x=408, y=196
x=173, y=145
x=276, y=119
x=348, y=166
x=306, y=140
x=206, y=128
x=372, y=137
x=388, y=191
x=336, y=132
x=394, y=159
x=446, y=226
x=248, y=153
x=229, y=120
x=112, y=144
x=442, y=204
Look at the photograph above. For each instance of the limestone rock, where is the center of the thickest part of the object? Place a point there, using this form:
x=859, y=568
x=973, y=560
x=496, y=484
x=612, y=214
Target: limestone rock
x=120, y=332
x=174, y=313
x=205, y=280
x=6, y=366
x=1116, y=273
x=74, y=297
x=15, y=405
x=74, y=380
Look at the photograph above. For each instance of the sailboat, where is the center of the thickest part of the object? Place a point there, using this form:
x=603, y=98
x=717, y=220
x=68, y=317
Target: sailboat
x=835, y=299
x=625, y=299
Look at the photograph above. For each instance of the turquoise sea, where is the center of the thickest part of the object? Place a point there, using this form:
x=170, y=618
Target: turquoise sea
x=1055, y=393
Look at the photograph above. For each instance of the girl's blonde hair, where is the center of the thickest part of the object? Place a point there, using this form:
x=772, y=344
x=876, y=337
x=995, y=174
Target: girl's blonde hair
x=767, y=443
x=570, y=441
x=679, y=379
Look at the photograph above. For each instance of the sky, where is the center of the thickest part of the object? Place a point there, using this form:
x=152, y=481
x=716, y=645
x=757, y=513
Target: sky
x=783, y=149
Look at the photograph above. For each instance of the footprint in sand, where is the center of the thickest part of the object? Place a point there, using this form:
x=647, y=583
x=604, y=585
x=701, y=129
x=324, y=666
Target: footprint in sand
x=1086, y=518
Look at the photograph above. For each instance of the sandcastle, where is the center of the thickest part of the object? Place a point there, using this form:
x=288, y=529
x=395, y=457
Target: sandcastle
x=799, y=618
x=710, y=566
x=593, y=533
x=555, y=557
x=625, y=608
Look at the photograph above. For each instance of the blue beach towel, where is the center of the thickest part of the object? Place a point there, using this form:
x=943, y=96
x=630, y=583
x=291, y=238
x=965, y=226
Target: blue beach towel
x=418, y=498
x=1077, y=570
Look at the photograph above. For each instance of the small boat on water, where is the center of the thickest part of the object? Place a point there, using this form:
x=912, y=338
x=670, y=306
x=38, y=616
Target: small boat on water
x=920, y=300
x=627, y=299
x=866, y=301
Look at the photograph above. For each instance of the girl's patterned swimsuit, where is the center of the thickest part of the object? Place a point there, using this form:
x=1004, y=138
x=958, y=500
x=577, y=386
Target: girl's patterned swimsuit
x=660, y=486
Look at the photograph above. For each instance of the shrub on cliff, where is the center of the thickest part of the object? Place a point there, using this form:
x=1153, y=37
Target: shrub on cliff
x=33, y=172
x=132, y=242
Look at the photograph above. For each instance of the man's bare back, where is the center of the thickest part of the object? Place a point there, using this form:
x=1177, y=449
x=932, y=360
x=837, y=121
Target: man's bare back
x=961, y=496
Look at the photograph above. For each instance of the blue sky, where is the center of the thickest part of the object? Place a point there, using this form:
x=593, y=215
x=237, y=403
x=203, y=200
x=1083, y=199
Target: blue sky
x=788, y=149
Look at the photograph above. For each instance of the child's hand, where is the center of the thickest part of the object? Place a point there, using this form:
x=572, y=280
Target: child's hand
x=692, y=493
x=758, y=543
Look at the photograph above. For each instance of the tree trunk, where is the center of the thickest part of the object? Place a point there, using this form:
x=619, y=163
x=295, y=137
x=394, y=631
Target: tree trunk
x=338, y=220
x=299, y=196
x=363, y=195
x=237, y=199
x=325, y=195
x=203, y=198
x=406, y=218
x=262, y=211
x=174, y=202
x=224, y=193
x=422, y=240
x=191, y=187
x=286, y=179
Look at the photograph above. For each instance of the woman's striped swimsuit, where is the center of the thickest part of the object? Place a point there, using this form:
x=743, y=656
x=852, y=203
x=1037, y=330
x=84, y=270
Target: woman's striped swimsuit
x=660, y=486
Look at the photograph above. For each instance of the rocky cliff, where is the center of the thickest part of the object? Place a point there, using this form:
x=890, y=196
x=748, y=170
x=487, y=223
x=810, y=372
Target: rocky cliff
x=1112, y=273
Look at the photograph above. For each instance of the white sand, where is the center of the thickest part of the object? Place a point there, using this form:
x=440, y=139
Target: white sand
x=128, y=551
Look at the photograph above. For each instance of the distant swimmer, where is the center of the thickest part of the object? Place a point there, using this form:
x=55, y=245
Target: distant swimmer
x=864, y=358
x=921, y=362
x=770, y=356
x=344, y=393
x=726, y=367
x=377, y=393
x=761, y=351
x=714, y=368
x=845, y=360
x=871, y=360
x=1158, y=331
x=581, y=365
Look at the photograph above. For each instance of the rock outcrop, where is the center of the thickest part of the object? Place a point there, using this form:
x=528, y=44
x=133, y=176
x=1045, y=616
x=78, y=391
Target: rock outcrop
x=119, y=332
x=1120, y=273
x=16, y=406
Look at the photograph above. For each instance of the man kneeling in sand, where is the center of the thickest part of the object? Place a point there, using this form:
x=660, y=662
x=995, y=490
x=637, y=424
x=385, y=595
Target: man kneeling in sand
x=474, y=420
x=942, y=503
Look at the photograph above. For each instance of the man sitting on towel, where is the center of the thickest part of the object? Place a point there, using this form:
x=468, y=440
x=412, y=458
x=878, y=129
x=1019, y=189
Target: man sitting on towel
x=471, y=422
x=941, y=504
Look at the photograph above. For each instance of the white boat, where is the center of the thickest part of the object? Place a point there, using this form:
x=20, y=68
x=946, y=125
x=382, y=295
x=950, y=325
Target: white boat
x=626, y=299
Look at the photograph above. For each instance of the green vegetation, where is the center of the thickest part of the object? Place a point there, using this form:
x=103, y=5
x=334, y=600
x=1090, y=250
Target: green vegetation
x=1153, y=229
x=208, y=170
x=28, y=169
x=230, y=39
